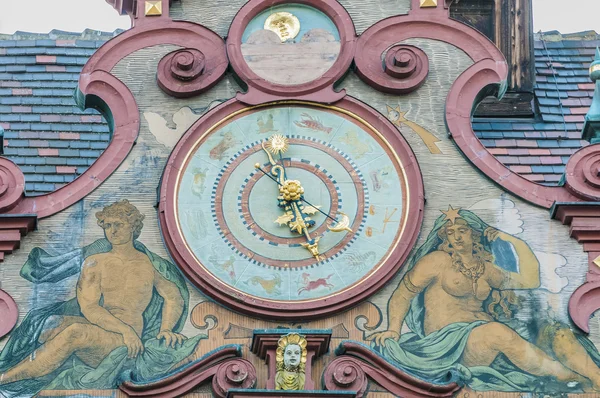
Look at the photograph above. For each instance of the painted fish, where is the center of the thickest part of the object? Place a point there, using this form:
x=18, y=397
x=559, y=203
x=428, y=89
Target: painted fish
x=312, y=123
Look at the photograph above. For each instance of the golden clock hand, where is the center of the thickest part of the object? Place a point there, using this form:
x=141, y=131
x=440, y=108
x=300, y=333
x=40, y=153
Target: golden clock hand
x=277, y=170
x=341, y=225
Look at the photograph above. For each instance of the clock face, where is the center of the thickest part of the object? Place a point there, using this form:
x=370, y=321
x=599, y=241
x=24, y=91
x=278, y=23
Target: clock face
x=290, y=204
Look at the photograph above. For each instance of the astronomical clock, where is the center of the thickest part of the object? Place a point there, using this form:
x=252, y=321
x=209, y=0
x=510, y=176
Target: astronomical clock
x=308, y=206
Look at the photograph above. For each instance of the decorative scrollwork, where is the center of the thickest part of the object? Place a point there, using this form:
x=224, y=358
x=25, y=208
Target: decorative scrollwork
x=12, y=184
x=187, y=72
x=186, y=64
x=583, y=173
x=235, y=373
x=345, y=374
x=404, y=68
x=584, y=302
x=407, y=62
x=8, y=313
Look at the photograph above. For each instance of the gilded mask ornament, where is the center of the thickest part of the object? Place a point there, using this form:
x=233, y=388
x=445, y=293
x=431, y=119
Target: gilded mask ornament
x=290, y=362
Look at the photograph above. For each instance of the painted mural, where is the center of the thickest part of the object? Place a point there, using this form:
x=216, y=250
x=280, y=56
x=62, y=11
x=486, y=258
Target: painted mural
x=124, y=320
x=460, y=301
x=290, y=44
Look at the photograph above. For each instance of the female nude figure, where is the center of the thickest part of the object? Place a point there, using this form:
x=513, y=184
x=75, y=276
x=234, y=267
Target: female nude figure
x=442, y=297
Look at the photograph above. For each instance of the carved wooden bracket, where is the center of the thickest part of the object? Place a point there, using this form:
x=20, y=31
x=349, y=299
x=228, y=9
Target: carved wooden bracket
x=582, y=180
x=357, y=364
x=264, y=345
x=584, y=222
x=223, y=366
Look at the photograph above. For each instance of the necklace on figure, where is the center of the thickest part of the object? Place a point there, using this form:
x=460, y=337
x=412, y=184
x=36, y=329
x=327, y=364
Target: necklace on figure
x=473, y=273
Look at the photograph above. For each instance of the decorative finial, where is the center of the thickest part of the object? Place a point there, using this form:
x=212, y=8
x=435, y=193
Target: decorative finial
x=595, y=67
x=591, y=127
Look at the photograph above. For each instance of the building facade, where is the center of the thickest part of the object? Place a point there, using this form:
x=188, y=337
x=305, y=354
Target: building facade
x=301, y=199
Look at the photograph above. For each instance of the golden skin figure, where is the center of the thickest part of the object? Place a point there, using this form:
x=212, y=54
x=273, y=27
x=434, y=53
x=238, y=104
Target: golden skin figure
x=291, y=362
x=113, y=291
x=452, y=295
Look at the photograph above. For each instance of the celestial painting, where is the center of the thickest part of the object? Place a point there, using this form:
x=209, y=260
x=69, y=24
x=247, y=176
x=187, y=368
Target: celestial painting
x=129, y=308
x=458, y=302
x=290, y=44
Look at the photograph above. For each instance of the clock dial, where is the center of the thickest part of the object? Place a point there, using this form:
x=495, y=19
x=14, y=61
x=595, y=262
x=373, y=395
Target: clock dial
x=293, y=208
x=235, y=226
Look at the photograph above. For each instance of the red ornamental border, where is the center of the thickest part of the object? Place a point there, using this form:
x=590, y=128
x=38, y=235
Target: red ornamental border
x=8, y=313
x=261, y=90
x=276, y=309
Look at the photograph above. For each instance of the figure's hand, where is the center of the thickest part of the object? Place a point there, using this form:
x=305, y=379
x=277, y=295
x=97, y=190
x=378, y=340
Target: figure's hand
x=133, y=343
x=379, y=338
x=171, y=339
x=492, y=234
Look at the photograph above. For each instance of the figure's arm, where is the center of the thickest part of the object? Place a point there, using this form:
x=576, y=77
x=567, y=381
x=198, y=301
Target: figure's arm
x=171, y=311
x=88, y=297
x=528, y=276
x=414, y=282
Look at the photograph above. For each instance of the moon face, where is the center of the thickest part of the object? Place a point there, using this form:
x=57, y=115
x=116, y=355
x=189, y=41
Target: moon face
x=285, y=24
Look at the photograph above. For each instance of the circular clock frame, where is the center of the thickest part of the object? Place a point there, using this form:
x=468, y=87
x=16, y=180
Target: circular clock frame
x=261, y=307
x=331, y=8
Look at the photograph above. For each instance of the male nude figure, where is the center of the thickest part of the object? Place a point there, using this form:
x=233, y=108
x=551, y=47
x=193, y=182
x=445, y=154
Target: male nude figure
x=113, y=291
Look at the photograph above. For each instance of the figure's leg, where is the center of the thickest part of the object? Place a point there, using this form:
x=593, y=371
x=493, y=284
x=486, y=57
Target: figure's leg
x=487, y=341
x=89, y=342
x=56, y=324
x=572, y=354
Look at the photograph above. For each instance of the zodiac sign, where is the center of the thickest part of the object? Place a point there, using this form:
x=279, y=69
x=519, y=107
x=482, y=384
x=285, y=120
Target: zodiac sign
x=378, y=178
x=314, y=284
x=359, y=261
x=228, y=142
x=270, y=286
x=265, y=127
x=396, y=116
x=312, y=123
x=196, y=223
x=386, y=220
x=198, y=182
x=359, y=147
x=226, y=266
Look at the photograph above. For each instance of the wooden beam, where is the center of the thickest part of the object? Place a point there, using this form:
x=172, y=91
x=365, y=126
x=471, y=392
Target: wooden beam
x=514, y=37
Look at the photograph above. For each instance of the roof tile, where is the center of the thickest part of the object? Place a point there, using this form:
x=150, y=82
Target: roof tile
x=37, y=109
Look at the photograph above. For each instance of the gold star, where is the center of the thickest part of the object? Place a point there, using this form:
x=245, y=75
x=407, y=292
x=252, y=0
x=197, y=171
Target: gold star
x=451, y=214
x=395, y=115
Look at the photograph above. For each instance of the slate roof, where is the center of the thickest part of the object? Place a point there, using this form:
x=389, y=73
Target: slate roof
x=539, y=148
x=53, y=141
x=45, y=133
